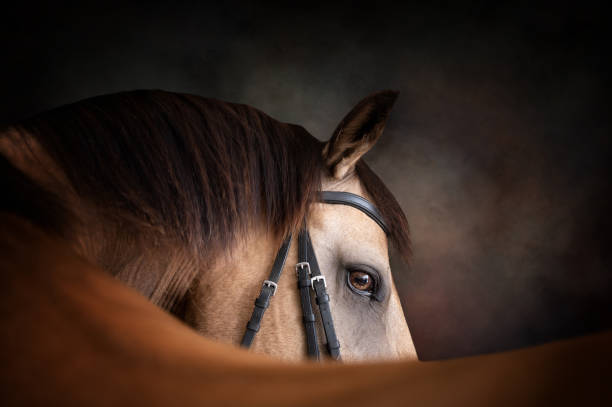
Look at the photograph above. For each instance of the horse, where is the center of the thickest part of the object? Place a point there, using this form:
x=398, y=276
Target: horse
x=138, y=228
x=187, y=199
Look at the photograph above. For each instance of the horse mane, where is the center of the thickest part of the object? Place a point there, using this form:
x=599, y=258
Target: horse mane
x=180, y=168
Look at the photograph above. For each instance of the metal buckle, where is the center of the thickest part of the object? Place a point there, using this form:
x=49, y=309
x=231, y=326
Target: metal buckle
x=271, y=284
x=317, y=278
x=302, y=265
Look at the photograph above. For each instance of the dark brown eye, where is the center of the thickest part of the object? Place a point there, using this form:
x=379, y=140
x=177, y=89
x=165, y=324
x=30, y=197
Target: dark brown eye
x=361, y=281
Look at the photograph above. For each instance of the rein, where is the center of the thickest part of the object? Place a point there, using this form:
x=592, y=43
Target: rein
x=309, y=276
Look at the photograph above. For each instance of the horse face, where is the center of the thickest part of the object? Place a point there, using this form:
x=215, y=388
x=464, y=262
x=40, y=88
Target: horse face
x=352, y=253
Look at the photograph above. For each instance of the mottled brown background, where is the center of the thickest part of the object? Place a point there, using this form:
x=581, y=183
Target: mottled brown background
x=498, y=149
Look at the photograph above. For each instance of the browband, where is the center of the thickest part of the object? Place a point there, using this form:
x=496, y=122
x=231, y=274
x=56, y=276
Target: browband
x=356, y=201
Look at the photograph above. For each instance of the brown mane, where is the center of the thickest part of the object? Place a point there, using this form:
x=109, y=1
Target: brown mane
x=181, y=168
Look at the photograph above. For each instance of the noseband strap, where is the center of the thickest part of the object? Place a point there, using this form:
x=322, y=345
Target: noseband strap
x=309, y=276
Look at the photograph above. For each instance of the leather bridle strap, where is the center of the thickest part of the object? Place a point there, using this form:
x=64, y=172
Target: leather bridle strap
x=319, y=286
x=268, y=290
x=356, y=201
x=303, y=271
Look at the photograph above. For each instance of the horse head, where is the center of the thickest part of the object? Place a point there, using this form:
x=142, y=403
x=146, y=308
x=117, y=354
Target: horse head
x=187, y=200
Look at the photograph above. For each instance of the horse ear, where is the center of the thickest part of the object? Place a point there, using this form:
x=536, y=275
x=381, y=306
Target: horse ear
x=357, y=133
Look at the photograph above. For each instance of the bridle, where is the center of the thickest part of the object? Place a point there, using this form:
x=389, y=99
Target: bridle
x=309, y=276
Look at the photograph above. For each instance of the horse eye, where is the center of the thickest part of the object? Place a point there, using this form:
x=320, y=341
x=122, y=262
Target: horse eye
x=361, y=282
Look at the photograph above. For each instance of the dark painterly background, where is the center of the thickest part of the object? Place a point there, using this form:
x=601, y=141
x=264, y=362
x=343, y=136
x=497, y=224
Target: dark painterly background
x=498, y=149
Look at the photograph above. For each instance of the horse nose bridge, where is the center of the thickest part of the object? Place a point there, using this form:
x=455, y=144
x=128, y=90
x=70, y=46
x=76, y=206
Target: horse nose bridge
x=398, y=332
